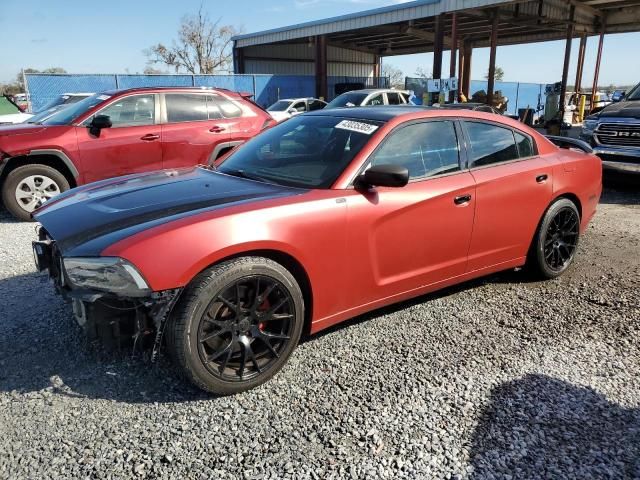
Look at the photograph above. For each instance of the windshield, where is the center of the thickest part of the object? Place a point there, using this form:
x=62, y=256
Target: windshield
x=304, y=152
x=62, y=100
x=279, y=106
x=73, y=111
x=349, y=99
x=634, y=94
x=44, y=114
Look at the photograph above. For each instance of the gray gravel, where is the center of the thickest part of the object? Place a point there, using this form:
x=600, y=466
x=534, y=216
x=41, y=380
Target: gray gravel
x=498, y=378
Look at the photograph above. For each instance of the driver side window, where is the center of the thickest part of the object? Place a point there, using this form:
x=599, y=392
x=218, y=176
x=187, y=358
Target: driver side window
x=136, y=110
x=426, y=149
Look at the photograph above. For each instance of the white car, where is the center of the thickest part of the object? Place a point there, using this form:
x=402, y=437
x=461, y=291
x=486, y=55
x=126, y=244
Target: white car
x=371, y=97
x=10, y=112
x=289, y=107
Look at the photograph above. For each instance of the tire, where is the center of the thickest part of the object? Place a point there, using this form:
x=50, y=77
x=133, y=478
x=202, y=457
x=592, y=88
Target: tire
x=222, y=352
x=38, y=183
x=556, y=241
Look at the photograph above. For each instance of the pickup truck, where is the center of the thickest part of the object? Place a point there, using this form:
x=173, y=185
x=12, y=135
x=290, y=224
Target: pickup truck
x=614, y=133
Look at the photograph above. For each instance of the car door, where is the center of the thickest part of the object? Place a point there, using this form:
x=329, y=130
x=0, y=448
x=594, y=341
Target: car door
x=131, y=145
x=514, y=186
x=192, y=130
x=400, y=239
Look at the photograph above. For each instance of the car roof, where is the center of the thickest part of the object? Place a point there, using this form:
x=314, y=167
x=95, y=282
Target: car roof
x=168, y=89
x=382, y=113
x=374, y=90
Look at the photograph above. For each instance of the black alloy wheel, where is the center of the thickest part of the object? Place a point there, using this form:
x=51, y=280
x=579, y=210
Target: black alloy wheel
x=245, y=328
x=561, y=238
x=556, y=240
x=236, y=324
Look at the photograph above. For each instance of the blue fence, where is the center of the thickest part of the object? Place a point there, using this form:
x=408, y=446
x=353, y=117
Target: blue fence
x=267, y=89
x=517, y=95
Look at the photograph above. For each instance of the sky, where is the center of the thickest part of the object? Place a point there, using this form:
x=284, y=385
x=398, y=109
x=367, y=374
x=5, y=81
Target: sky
x=110, y=37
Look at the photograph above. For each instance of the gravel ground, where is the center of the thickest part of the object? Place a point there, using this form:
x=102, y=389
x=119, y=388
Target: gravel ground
x=497, y=378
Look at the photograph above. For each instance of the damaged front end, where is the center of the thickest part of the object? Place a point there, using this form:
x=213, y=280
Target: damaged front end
x=111, y=299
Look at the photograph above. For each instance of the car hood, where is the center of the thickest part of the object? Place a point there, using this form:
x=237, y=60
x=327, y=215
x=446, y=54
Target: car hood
x=85, y=220
x=628, y=109
x=21, y=129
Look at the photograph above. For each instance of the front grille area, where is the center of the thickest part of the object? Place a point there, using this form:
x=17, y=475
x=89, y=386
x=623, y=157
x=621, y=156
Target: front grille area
x=618, y=134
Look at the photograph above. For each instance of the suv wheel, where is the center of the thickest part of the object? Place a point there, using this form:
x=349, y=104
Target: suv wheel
x=26, y=188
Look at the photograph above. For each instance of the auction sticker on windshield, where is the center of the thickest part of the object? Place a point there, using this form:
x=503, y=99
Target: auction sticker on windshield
x=354, y=126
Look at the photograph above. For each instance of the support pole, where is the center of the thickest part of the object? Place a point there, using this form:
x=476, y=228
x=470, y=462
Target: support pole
x=461, y=60
x=321, y=66
x=491, y=76
x=581, y=53
x=438, y=46
x=596, y=74
x=466, y=81
x=567, y=59
x=454, y=46
x=376, y=69
x=238, y=60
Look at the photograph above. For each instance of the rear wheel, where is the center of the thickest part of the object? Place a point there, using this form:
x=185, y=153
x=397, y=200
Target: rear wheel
x=236, y=325
x=28, y=187
x=556, y=240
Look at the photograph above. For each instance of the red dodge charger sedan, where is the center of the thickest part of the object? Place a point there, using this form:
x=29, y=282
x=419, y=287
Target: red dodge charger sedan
x=316, y=220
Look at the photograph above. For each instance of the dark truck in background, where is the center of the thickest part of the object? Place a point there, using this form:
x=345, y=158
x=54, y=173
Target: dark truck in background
x=614, y=133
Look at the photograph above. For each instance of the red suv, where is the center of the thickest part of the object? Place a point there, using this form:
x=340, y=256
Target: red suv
x=118, y=133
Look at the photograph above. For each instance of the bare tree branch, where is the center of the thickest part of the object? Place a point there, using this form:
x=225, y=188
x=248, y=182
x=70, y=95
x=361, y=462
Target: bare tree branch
x=202, y=47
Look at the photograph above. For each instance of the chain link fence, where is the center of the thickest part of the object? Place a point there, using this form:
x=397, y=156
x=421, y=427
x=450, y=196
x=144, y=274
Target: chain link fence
x=267, y=89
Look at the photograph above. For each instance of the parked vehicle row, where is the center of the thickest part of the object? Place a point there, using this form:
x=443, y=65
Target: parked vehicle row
x=315, y=220
x=80, y=137
x=118, y=133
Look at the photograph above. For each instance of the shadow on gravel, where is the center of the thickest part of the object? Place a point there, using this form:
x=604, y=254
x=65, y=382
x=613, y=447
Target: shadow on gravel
x=621, y=189
x=44, y=352
x=540, y=427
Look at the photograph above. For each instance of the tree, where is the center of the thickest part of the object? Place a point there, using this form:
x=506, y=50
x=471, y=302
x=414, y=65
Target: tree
x=202, y=46
x=422, y=73
x=396, y=76
x=153, y=71
x=497, y=76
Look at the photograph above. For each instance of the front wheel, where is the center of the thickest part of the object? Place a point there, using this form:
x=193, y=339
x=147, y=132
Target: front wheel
x=28, y=187
x=236, y=324
x=554, y=246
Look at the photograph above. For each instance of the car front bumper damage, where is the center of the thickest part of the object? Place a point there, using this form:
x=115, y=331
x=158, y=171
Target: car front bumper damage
x=117, y=321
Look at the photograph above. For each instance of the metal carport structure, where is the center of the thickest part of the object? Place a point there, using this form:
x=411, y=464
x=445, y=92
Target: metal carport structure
x=356, y=42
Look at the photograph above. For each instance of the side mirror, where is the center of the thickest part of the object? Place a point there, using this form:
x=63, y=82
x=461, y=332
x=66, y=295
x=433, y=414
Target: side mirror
x=383, y=176
x=98, y=123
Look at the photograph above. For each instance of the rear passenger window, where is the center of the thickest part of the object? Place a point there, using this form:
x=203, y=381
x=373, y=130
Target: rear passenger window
x=525, y=146
x=425, y=149
x=221, y=107
x=490, y=144
x=186, y=107
x=393, y=98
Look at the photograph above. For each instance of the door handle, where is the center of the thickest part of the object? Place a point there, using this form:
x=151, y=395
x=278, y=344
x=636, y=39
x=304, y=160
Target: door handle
x=216, y=129
x=462, y=199
x=542, y=178
x=149, y=137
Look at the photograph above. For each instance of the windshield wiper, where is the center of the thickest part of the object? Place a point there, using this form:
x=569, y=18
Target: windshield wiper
x=243, y=174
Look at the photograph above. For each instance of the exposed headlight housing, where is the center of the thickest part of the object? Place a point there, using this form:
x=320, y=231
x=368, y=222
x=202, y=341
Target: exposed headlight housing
x=109, y=274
